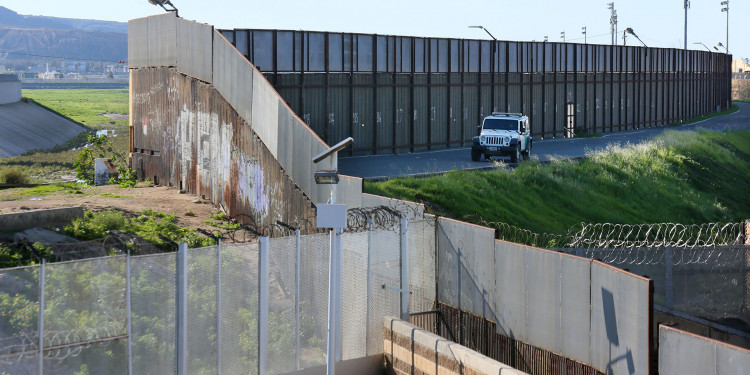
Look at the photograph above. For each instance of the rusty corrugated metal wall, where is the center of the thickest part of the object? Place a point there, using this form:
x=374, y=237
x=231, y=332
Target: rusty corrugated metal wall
x=186, y=135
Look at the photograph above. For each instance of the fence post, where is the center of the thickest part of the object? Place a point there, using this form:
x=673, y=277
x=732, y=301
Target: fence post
x=369, y=280
x=263, y=307
x=128, y=307
x=339, y=270
x=668, y=276
x=181, y=310
x=218, y=306
x=41, y=316
x=404, y=269
x=296, y=296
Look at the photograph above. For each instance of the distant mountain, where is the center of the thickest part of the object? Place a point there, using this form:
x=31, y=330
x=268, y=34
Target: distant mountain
x=9, y=18
x=40, y=38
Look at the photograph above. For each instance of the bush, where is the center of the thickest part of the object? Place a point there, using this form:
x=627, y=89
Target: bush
x=14, y=176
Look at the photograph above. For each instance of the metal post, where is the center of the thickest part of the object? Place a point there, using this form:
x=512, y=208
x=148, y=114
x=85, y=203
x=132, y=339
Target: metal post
x=339, y=293
x=404, y=269
x=42, y=303
x=218, y=306
x=263, y=307
x=181, y=310
x=330, y=370
x=296, y=296
x=369, y=279
x=687, y=5
x=668, y=276
x=128, y=309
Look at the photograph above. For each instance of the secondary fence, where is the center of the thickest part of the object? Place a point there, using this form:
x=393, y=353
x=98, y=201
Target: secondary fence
x=397, y=94
x=258, y=307
x=481, y=335
x=701, y=270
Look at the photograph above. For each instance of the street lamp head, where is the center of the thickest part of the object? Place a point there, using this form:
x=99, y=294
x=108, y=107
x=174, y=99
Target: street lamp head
x=476, y=27
x=326, y=177
x=163, y=4
x=630, y=31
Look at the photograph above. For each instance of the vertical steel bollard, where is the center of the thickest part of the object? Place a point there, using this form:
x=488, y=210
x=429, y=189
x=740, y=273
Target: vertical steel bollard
x=339, y=292
x=181, y=310
x=263, y=307
x=128, y=308
x=405, y=269
x=296, y=297
x=42, y=302
x=668, y=276
x=218, y=306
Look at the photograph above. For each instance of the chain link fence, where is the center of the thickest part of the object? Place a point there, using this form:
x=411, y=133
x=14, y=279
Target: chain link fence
x=121, y=314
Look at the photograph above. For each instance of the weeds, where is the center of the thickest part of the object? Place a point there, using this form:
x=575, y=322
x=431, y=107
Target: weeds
x=14, y=176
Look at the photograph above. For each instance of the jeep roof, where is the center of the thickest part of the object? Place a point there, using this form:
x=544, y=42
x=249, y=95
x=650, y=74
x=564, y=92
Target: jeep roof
x=503, y=121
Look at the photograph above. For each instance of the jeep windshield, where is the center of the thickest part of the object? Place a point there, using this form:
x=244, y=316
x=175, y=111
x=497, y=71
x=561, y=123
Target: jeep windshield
x=500, y=124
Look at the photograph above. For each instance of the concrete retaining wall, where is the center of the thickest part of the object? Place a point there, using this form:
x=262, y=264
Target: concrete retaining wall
x=411, y=350
x=40, y=218
x=27, y=126
x=681, y=352
x=10, y=89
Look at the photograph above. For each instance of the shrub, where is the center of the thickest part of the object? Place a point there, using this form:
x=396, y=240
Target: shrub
x=14, y=176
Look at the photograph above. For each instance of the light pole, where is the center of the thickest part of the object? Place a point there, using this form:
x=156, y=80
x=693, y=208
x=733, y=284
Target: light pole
x=562, y=36
x=630, y=31
x=612, y=21
x=583, y=31
x=726, y=9
x=332, y=216
x=492, y=63
x=687, y=5
x=705, y=46
x=722, y=46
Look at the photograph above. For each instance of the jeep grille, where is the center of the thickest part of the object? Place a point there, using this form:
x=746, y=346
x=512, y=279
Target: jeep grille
x=495, y=140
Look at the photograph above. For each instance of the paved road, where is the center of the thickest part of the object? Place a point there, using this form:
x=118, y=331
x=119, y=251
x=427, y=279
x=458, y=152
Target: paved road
x=427, y=162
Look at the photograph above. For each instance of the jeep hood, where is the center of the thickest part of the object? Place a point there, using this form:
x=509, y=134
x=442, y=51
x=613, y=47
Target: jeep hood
x=496, y=132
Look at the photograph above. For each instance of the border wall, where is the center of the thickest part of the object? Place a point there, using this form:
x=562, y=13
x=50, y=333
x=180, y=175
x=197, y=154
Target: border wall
x=681, y=352
x=397, y=94
x=581, y=309
x=205, y=120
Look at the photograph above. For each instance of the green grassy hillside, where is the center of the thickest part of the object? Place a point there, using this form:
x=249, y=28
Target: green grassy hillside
x=684, y=177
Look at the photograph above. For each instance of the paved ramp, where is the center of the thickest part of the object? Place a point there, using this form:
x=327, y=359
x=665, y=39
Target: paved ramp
x=27, y=126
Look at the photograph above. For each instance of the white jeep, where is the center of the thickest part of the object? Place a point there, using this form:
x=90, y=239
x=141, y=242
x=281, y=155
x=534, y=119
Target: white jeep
x=503, y=134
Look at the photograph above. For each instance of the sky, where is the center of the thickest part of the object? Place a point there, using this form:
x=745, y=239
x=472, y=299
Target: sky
x=659, y=23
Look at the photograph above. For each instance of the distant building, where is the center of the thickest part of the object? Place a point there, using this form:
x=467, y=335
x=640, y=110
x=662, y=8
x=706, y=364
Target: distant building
x=10, y=88
x=741, y=66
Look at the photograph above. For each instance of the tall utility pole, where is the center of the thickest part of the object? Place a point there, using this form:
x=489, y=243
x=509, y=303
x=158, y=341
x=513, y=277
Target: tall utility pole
x=562, y=36
x=687, y=5
x=613, y=22
x=583, y=31
x=726, y=9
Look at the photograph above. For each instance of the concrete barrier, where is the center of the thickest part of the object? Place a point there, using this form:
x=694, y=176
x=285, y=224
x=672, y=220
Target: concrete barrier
x=412, y=350
x=40, y=218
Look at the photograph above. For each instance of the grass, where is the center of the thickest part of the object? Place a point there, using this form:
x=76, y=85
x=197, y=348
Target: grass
x=685, y=177
x=42, y=190
x=82, y=106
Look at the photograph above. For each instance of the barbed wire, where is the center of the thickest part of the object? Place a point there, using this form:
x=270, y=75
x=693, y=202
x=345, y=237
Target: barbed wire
x=621, y=236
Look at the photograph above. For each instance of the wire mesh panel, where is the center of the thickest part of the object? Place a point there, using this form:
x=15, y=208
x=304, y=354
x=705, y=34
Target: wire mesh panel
x=201, y=310
x=313, y=296
x=282, y=294
x=239, y=308
x=421, y=247
x=153, y=313
x=19, y=320
x=354, y=295
x=85, y=301
x=385, y=273
x=107, y=357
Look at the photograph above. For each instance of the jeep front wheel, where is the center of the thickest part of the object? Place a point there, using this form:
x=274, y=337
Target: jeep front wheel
x=475, y=155
x=516, y=154
x=527, y=153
